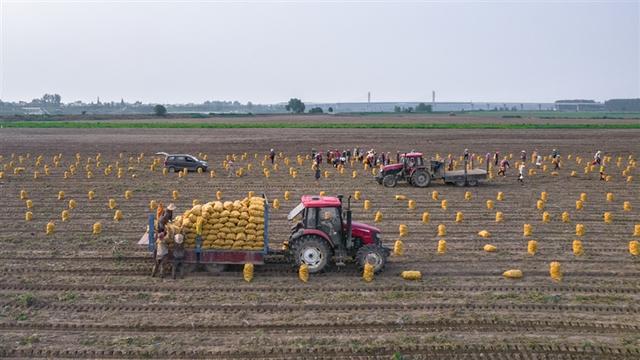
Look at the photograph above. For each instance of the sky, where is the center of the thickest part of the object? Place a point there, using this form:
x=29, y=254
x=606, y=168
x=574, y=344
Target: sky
x=319, y=51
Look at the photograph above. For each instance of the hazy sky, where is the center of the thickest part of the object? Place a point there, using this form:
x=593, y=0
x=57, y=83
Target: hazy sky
x=191, y=51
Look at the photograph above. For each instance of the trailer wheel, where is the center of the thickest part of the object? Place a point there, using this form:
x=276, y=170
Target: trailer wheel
x=421, y=179
x=373, y=255
x=460, y=183
x=390, y=181
x=313, y=251
x=472, y=182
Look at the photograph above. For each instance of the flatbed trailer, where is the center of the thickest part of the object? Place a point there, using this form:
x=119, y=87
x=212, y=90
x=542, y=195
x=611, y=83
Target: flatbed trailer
x=199, y=256
x=461, y=177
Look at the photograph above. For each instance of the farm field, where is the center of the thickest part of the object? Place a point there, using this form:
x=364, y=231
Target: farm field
x=72, y=294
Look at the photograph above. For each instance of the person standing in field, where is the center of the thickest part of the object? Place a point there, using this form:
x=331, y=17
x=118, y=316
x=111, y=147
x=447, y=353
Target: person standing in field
x=487, y=159
x=597, y=158
x=178, y=256
x=272, y=155
x=317, y=173
x=603, y=177
x=523, y=156
x=521, y=173
x=496, y=158
x=539, y=161
x=230, y=168
x=504, y=165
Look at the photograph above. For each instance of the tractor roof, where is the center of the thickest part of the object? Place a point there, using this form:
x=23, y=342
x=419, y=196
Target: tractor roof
x=413, y=154
x=314, y=201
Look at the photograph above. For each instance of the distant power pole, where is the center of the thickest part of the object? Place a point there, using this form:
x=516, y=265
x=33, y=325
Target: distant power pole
x=368, y=99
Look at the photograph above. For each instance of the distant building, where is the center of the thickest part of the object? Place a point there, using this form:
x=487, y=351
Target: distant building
x=578, y=105
x=33, y=111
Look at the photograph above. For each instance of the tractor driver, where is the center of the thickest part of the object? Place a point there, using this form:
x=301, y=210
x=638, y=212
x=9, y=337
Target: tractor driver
x=330, y=223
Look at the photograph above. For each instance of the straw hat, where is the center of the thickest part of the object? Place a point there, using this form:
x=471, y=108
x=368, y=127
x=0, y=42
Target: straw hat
x=171, y=207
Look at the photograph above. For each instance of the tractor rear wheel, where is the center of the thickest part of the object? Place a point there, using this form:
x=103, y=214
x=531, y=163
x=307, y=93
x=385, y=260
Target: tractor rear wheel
x=373, y=255
x=389, y=181
x=313, y=251
x=420, y=179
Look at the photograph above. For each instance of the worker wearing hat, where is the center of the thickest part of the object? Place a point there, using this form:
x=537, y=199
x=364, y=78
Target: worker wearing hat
x=272, y=155
x=178, y=255
x=166, y=217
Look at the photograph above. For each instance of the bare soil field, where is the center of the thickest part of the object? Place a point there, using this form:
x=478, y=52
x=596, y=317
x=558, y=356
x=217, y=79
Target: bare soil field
x=72, y=294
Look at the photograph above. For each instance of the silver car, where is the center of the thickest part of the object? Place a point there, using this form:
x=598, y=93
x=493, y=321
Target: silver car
x=178, y=162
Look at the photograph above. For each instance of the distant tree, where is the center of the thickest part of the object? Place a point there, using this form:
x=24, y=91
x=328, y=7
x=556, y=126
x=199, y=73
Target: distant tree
x=422, y=107
x=330, y=109
x=160, y=110
x=408, y=110
x=295, y=105
x=315, y=110
x=397, y=108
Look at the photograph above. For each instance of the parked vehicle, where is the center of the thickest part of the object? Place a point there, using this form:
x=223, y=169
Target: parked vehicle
x=178, y=162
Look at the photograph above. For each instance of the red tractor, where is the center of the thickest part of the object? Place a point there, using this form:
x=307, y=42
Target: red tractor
x=413, y=170
x=324, y=233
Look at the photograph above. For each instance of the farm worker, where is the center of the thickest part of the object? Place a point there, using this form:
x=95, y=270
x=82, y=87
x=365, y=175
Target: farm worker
x=272, y=155
x=487, y=159
x=328, y=224
x=450, y=161
x=178, y=255
x=602, y=175
x=162, y=253
x=539, y=161
x=523, y=156
x=555, y=153
x=504, y=165
x=597, y=158
x=317, y=175
x=383, y=158
x=318, y=158
x=496, y=158
x=388, y=158
x=465, y=156
x=230, y=168
x=166, y=217
x=534, y=155
x=397, y=156
x=328, y=156
x=313, y=153
x=556, y=163
x=521, y=173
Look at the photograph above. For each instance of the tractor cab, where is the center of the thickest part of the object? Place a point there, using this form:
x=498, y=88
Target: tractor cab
x=411, y=161
x=323, y=232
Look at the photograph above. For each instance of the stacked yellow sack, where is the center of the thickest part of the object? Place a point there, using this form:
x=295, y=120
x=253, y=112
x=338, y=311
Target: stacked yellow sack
x=237, y=225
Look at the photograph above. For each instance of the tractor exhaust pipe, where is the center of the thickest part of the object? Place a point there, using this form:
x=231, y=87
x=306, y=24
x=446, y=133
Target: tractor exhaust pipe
x=348, y=216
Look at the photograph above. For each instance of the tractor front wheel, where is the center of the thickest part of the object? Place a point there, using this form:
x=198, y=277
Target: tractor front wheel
x=420, y=179
x=389, y=181
x=313, y=251
x=373, y=255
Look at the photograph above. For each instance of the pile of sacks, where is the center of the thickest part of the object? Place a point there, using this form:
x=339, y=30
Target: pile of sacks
x=232, y=225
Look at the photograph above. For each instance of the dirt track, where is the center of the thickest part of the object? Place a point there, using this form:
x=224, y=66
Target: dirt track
x=92, y=296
